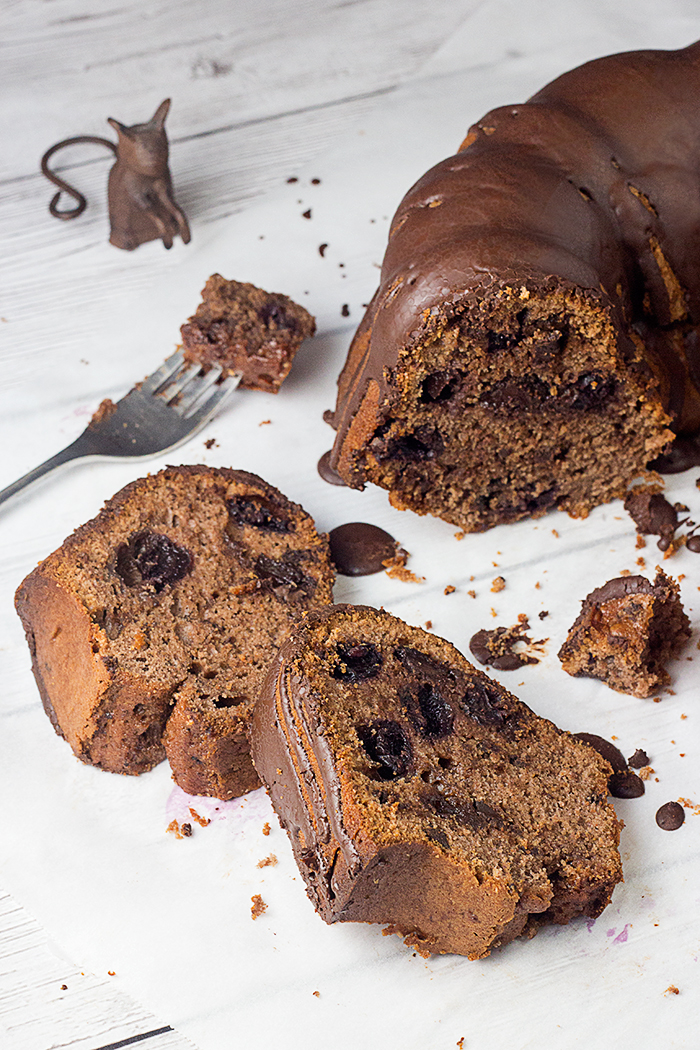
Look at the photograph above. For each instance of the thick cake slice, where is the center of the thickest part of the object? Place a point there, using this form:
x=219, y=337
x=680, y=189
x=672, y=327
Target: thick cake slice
x=151, y=627
x=418, y=792
x=536, y=330
x=626, y=632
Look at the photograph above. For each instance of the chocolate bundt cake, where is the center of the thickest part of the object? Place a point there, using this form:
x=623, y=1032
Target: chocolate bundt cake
x=418, y=792
x=151, y=627
x=248, y=330
x=535, y=339
x=626, y=633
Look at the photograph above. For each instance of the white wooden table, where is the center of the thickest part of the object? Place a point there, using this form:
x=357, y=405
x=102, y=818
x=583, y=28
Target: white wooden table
x=112, y=933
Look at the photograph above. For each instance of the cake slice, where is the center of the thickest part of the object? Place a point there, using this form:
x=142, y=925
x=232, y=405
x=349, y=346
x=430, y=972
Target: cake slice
x=626, y=632
x=419, y=793
x=245, y=329
x=151, y=627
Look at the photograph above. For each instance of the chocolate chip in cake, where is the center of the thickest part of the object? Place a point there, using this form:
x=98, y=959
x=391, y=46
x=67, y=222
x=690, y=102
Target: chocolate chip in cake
x=258, y=513
x=670, y=816
x=360, y=549
x=428, y=709
x=604, y=748
x=626, y=784
x=386, y=743
x=283, y=575
x=149, y=557
x=638, y=760
x=358, y=662
x=483, y=704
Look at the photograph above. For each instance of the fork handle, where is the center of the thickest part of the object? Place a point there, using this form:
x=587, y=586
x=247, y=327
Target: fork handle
x=82, y=446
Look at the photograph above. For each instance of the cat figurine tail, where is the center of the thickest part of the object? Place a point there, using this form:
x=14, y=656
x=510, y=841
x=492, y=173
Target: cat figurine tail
x=140, y=189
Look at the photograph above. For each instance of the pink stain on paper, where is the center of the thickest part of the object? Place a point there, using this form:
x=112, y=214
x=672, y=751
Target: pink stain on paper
x=622, y=936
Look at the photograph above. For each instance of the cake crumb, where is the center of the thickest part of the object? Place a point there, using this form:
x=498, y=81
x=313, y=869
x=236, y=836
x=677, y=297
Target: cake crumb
x=641, y=562
x=689, y=804
x=555, y=533
x=460, y=535
x=672, y=990
x=64, y=987
x=202, y=821
x=396, y=567
x=543, y=613
x=498, y=584
x=174, y=827
x=472, y=594
x=268, y=862
x=264, y=422
x=460, y=1043
x=317, y=994
x=209, y=443
x=266, y=829
x=186, y=830
x=428, y=625
x=641, y=542
x=450, y=589
x=111, y=973
x=258, y=906
x=645, y=772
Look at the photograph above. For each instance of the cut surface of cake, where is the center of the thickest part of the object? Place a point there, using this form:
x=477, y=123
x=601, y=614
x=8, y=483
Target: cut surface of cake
x=419, y=793
x=534, y=342
x=626, y=632
x=245, y=329
x=151, y=627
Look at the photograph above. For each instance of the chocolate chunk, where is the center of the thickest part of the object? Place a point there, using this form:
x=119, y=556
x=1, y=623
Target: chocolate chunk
x=683, y=454
x=604, y=748
x=429, y=711
x=670, y=816
x=327, y=472
x=693, y=544
x=495, y=648
x=439, y=386
x=284, y=573
x=590, y=391
x=620, y=587
x=638, y=760
x=651, y=513
x=150, y=557
x=626, y=784
x=424, y=444
x=387, y=743
x=358, y=662
x=258, y=513
x=359, y=549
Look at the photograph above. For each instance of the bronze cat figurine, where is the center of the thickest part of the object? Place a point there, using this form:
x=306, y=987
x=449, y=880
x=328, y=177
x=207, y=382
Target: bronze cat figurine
x=140, y=190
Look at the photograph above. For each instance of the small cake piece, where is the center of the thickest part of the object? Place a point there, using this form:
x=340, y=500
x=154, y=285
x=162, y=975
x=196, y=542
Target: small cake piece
x=245, y=329
x=626, y=632
x=152, y=626
x=418, y=792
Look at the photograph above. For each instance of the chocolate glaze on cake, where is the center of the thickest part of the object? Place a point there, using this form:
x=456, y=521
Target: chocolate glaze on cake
x=418, y=792
x=535, y=333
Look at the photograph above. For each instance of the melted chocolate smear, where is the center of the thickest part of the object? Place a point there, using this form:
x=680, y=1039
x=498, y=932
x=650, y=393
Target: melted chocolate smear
x=149, y=557
x=683, y=454
x=626, y=784
x=359, y=549
x=670, y=816
x=653, y=515
x=387, y=744
x=327, y=472
x=604, y=748
x=358, y=662
x=495, y=648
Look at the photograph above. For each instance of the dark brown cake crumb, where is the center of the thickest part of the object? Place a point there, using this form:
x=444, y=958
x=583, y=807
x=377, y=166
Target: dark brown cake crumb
x=638, y=760
x=396, y=568
x=626, y=784
x=266, y=829
x=258, y=906
x=449, y=589
x=626, y=632
x=670, y=816
x=246, y=329
x=672, y=990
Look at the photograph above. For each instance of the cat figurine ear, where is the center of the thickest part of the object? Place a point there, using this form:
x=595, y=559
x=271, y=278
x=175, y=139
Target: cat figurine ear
x=140, y=190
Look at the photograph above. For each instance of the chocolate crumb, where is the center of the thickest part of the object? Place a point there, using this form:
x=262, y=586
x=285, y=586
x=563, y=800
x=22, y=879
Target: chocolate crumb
x=543, y=614
x=670, y=816
x=258, y=906
x=210, y=442
x=186, y=829
x=64, y=987
x=626, y=784
x=293, y=179
x=638, y=759
x=345, y=310
x=306, y=214
x=496, y=648
x=322, y=249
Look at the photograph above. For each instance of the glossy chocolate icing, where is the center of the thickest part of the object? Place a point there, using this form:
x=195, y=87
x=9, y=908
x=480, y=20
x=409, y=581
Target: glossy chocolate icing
x=591, y=184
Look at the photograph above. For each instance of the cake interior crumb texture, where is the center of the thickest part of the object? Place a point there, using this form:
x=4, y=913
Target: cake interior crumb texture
x=151, y=627
x=626, y=633
x=419, y=793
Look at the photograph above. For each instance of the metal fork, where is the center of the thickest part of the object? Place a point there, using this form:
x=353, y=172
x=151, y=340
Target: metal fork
x=160, y=413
